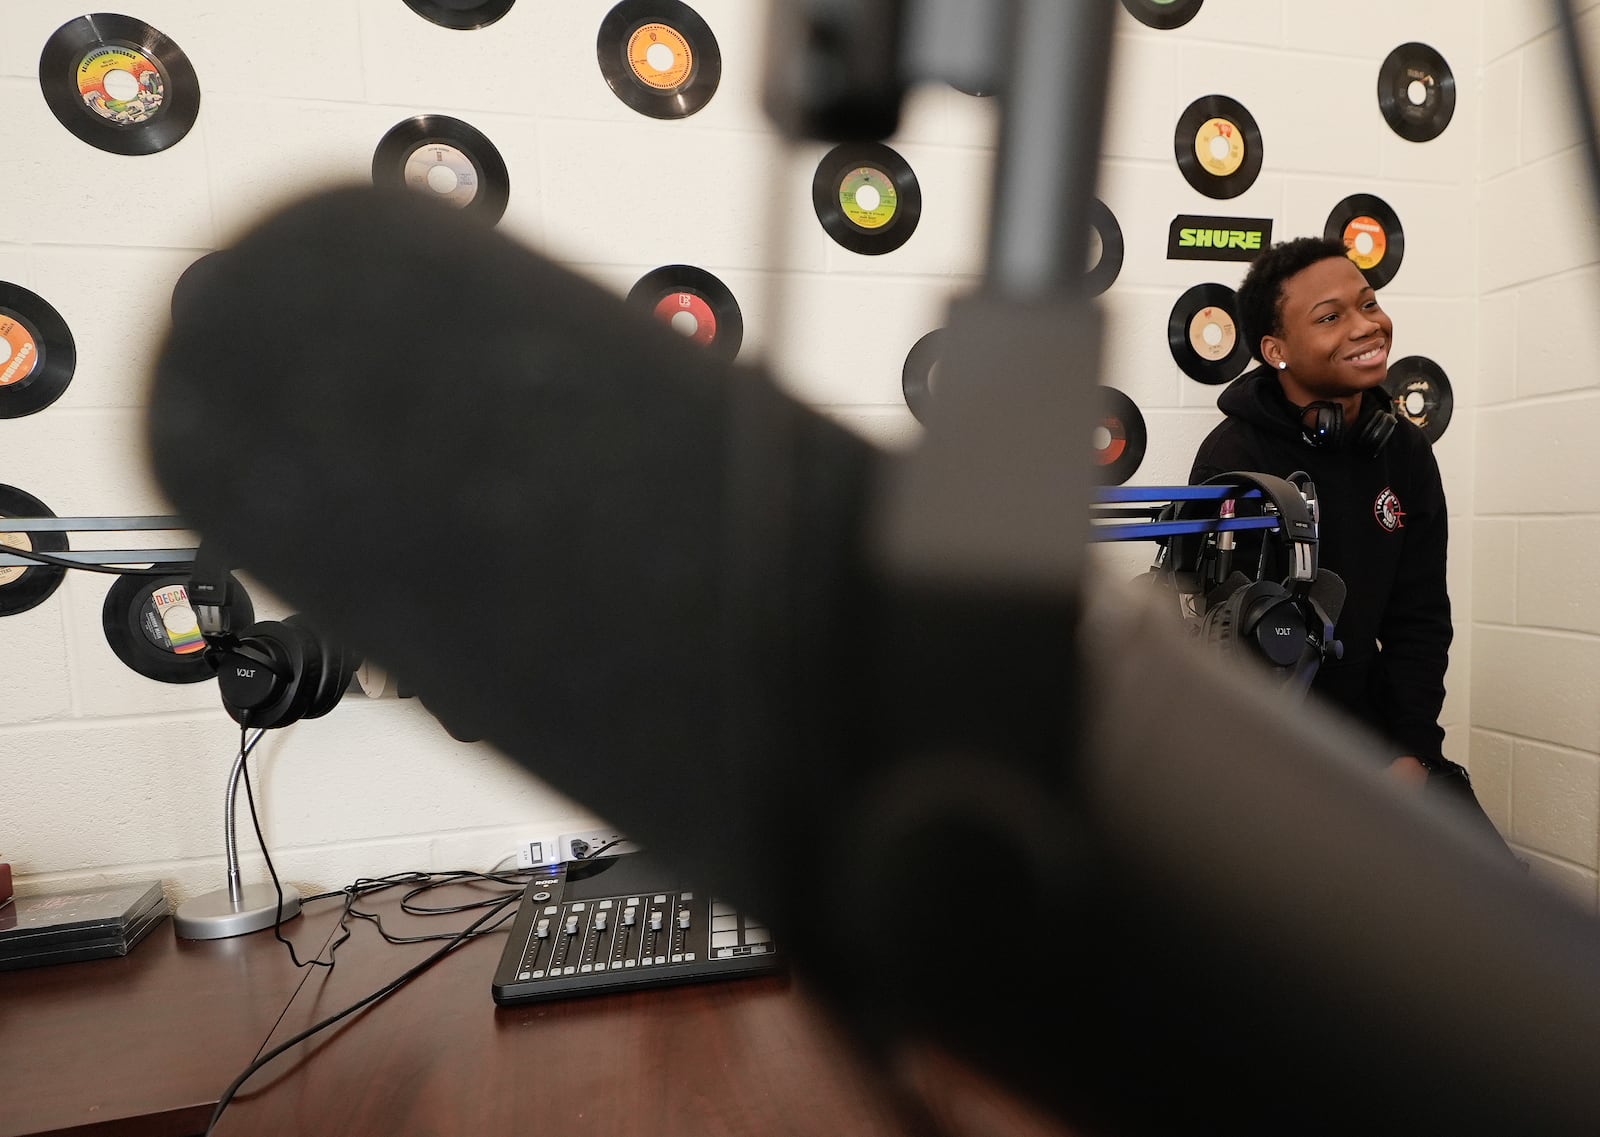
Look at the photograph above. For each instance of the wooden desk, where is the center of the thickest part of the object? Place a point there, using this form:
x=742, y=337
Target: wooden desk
x=142, y=1046
x=438, y=1058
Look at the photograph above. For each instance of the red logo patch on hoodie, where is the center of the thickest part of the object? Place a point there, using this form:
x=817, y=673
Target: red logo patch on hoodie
x=1388, y=511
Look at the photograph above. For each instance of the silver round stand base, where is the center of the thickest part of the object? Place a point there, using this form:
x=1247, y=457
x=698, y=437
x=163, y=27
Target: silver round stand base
x=214, y=916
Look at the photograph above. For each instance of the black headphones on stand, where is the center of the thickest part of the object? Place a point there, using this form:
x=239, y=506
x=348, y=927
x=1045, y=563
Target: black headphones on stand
x=1283, y=624
x=271, y=673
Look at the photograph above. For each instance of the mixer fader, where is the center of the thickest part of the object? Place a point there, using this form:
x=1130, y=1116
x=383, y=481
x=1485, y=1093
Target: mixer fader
x=624, y=921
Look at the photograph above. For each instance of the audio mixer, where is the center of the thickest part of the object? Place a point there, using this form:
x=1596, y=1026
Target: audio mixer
x=625, y=921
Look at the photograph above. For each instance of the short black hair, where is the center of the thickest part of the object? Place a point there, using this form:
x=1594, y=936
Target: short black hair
x=1261, y=294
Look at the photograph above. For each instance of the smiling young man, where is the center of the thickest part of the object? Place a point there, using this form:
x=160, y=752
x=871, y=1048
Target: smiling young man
x=1317, y=404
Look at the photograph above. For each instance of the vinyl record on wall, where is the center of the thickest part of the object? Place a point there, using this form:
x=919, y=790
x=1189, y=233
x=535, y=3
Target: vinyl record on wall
x=1119, y=437
x=1105, y=248
x=445, y=159
x=461, y=15
x=1163, y=14
x=1203, y=333
x=1218, y=146
x=151, y=627
x=119, y=84
x=1372, y=233
x=694, y=303
x=866, y=197
x=1421, y=393
x=659, y=57
x=37, y=353
x=27, y=586
x=919, y=374
x=1416, y=92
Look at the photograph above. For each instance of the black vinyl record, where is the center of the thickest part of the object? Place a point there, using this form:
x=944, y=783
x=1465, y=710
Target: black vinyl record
x=37, y=353
x=1163, y=14
x=150, y=625
x=462, y=15
x=446, y=159
x=119, y=84
x=866, y=197
x=1205, y=337
x=919, y=375
x=1119, y=438
x=1107, y=258
x=1372, y=233
x=694, y=303
x=1218, y=146
x=1416, y=92
x=659, y=57
x=1421, y=393
x=27, y=586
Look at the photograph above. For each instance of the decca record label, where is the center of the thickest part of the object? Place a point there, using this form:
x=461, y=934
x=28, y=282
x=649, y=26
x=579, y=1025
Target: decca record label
x=1196, y=238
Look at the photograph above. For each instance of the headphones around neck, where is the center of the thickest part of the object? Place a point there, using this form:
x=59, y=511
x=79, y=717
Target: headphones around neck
x=1283, y=623
x=1322, y=426
x=271, y=673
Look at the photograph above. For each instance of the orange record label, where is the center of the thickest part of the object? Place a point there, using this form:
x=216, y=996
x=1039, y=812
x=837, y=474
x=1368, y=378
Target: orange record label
x=1367, y=241
x=10, y=573
x=19, y=355
x=660, y=56
x=120, y=84
x=1219, y=146
x=689, y=315
x=1211, y=334
x=1113, y=442
x=868, y=197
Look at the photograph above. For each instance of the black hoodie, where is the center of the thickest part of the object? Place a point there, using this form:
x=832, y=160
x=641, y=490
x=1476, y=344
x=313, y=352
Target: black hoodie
x=1382, y=528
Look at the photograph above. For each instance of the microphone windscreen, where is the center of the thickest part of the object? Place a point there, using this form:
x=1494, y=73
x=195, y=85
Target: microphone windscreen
x=1328, y=590
x=581, y=537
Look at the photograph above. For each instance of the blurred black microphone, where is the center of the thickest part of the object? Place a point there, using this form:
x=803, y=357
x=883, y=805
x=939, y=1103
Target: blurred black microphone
x=1044, y=833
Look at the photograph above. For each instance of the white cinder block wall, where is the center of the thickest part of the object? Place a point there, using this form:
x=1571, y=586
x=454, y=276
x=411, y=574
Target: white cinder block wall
x=1535, y=599
x=107, y=774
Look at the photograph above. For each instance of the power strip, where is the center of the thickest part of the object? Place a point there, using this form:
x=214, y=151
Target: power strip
x=588, y=843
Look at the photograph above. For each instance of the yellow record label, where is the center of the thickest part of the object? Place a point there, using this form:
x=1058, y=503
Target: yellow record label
x=1211, y=334
x=660, y=56
x=120, y=84
x=868, y=197
x=9, y=573
x=1219, y=146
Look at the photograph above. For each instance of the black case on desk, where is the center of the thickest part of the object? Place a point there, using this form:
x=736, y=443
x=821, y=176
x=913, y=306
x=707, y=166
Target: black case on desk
x=590, y=946
x=86, y=923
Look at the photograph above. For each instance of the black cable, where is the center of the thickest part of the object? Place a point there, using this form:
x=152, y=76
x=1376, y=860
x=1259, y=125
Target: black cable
x=1578, y=77
x=63, y=562
x=382, y=992
x=261, y=841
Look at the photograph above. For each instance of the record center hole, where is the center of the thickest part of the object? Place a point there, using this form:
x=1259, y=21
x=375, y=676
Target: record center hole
x=1415, y=403
x=1101, y=438
x=121, y=85
x=442, y=179
x=1365, y=244
x=868, y=198
x=1417, y=92
x=1220, y=148
x=685, y=323
x=1212, y=334
x=659, y=56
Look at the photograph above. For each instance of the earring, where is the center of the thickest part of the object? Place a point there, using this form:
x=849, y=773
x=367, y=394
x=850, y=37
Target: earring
x=1283, y=365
